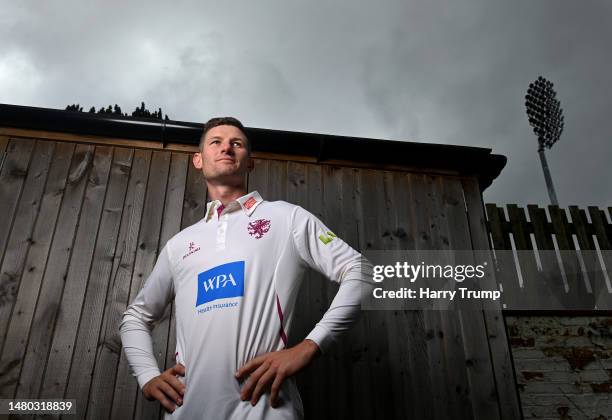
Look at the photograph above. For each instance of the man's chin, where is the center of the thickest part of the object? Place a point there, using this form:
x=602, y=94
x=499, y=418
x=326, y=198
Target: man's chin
x=227, y=178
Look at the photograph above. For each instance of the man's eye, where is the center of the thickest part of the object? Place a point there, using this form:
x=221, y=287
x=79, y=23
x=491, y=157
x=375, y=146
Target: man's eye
x=236, y=144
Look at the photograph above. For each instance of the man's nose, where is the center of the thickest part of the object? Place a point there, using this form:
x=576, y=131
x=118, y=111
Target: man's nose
x=227, y=148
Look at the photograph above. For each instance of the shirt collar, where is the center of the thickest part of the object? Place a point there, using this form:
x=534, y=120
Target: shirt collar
x=248, y=203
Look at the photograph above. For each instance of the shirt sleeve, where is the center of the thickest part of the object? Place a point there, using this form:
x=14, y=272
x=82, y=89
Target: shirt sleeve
x=139, y=318
x=323, y=251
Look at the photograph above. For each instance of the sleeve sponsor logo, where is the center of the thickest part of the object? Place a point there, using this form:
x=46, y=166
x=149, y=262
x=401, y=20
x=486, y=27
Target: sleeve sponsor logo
x=327, y=237
x=220, y=282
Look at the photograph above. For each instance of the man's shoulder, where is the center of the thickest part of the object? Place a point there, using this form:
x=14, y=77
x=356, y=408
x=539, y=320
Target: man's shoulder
x=279, y=205
x=187, y=232
x=295, y=214
x=285, y=208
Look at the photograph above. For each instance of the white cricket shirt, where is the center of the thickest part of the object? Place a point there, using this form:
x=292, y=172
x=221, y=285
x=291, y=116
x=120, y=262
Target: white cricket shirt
x=234, y=277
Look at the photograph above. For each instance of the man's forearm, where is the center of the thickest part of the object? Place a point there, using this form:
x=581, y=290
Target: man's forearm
x=138, y=348
x=345, y=308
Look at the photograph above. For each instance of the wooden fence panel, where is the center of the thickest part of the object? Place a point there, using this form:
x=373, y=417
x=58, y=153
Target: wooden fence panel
x=544, y=286
x=594, y=274
x=31, y=281
x=73, y=295
x=499, y=349
x=577, y=292
x=49, y=302
x=23, y=226
x=130, y=399
x=171, y=225
x=105, y=205
x=16, y=161
x=81, y=369
x=471, y=329
x=415, y=390
x=372, y=217
x=108, y=353
x=4, y=141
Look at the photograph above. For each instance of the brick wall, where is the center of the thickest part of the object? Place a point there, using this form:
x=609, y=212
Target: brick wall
x=563, y=365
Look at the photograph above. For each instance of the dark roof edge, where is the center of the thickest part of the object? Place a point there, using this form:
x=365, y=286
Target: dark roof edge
x=464, y=159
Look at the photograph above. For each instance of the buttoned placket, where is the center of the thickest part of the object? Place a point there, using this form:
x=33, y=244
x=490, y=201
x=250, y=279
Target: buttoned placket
x=221, y=231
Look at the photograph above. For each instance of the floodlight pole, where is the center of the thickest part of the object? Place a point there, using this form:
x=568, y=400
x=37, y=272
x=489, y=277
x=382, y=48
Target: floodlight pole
x=549, y=182
x=546, y=117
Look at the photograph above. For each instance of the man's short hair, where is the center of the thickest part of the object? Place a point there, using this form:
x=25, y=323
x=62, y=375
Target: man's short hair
x=217, y=121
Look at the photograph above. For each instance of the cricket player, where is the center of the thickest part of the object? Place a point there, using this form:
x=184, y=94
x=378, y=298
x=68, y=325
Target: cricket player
x=234, y=277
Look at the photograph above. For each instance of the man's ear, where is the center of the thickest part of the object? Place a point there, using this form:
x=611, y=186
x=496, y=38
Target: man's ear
x=197, y=160
x=250, y=164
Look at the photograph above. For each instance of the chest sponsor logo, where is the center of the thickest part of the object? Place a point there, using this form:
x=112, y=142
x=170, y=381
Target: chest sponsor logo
x=220, y=282
x=259, y=228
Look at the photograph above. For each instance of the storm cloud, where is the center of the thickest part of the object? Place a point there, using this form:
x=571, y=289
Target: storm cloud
x=438, y=72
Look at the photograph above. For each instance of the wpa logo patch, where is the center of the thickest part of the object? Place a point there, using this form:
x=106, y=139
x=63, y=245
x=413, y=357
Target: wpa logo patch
x=222, y=281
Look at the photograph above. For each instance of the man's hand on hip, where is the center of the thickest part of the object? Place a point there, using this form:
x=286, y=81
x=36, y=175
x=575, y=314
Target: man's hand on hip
x=271, y=369
x=166, y=388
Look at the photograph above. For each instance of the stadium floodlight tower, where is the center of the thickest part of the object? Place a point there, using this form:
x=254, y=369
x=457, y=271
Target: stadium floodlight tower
x=546, y=117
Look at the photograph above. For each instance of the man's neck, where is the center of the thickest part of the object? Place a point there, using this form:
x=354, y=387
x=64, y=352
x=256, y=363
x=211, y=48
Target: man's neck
x=224, y=193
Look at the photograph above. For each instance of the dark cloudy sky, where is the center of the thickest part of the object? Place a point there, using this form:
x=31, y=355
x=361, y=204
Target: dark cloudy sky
x=437, y=71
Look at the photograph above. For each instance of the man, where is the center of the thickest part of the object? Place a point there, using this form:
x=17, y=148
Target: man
x=234, y=277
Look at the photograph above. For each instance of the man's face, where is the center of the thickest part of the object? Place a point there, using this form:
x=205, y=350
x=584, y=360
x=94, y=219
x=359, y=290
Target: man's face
x=224, y=156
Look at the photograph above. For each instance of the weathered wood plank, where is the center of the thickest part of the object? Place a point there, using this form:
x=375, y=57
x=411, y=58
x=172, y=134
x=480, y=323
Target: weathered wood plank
x=601, y=226
x=173, y=214
x=277, y=176
x=109, y=350
x=47, y=307
x=505, y=267
x=471, y=331
x=550, y=284
x=258, y=178
x=311, y=302
x=507, y=392
x=194, y=205
x=12, y=177
x=526, y=256
x=81, y=369
x=20, y=238
x=62, y=346
x=159, y=336
x=569, y=259
x=427, y=221
x=449, y=207
x=295, y=193
x=32, y=278
x=594, y=271
x=337, y=363
x=416, y=389
x=4, y=140
x=400, y=387
x=126, y=399
x=375, y=223
x=357, y=340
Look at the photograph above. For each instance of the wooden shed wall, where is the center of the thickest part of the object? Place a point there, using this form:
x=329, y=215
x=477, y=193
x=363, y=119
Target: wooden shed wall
x=80, y=231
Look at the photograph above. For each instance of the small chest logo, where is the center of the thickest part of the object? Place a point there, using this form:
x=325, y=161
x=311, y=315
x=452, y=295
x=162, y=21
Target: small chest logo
x=191, y=249
x=222, y=281
x=259, y=228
